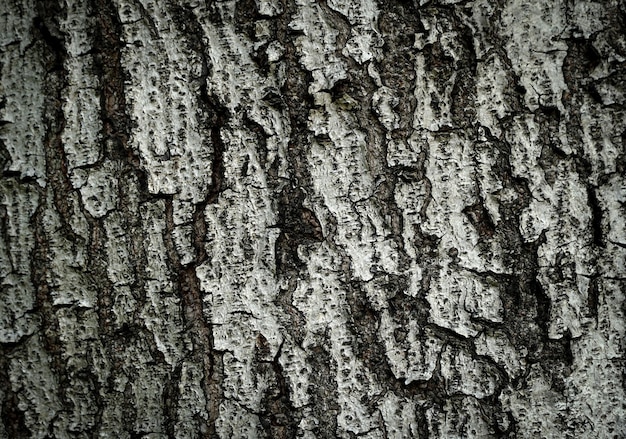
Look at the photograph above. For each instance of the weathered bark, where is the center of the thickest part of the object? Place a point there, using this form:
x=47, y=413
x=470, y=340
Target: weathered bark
x=298, y=218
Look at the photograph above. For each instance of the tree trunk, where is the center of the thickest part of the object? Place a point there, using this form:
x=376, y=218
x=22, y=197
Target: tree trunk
x=315, y=219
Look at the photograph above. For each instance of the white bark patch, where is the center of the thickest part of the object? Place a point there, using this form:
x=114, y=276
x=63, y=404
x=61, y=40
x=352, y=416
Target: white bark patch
x=399, y=416
x=560, y=211
x=415, y=357
x=384, y=101
x=466, y=375
x=18, y=292
x=456, y=297
x=22, y=90
x=119, y=270
x=33, y=381
x=239, y=288
x=597, y=397
x=191, y=403
x=81, y=350
x=536, y=49
x=81, y=107
x=365, y=41
x=161, y=312
x=501, y=350
x=461, y=418
x=447, y=304
x=345, y=183
x=537, y=409
x=269, y=8
x=589, y=17
x=613, y=196
x=99, y=190
x=147, y=389
x=68, y=282
x=238, y=423
x=323, y=303
x=299, y=373
x=317, y=46
x=163, y=100
x=491, y=87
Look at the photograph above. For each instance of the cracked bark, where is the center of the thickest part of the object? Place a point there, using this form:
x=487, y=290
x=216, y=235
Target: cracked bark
x=332, y=218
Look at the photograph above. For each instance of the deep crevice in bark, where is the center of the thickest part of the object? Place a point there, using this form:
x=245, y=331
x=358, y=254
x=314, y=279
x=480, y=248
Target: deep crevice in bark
x=59, y=186
x=13, y=418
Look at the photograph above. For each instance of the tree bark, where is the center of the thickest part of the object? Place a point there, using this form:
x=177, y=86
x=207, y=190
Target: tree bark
x=315, y=219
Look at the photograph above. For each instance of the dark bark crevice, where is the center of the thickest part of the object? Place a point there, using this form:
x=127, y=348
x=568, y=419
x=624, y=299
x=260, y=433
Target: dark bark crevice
x=13, y=418
x=54, y=55
x=323, y=389
x=107, y=56
x=279, y=417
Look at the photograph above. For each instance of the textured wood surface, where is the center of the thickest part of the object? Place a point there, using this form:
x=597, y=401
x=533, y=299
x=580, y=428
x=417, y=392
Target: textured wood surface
x=315, y=219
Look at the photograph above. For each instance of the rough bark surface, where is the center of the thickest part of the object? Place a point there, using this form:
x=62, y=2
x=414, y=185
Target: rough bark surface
x=315, y=219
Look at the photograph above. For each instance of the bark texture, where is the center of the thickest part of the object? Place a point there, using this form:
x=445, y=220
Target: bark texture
x=314, y=219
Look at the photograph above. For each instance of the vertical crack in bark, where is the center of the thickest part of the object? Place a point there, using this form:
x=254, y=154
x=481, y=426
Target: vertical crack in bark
x=58, y=185
x=171, y=391
x=278, y=412
x=203, y=345
x=298, y=225
x=106, y=56
x=107, y=60
x=527, y=306
x=116, y=126
x=596, y=217
x=56, y=162
x=13, y=417
x=217, y=117
x=593, y=296
x=400, y=24
x=107, y=53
